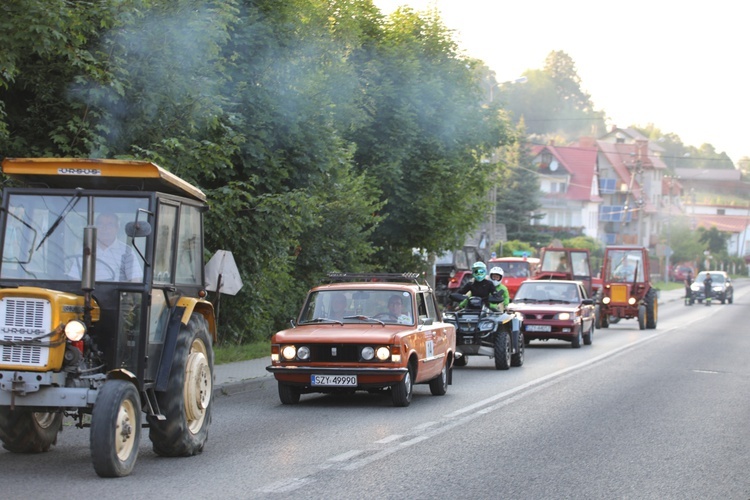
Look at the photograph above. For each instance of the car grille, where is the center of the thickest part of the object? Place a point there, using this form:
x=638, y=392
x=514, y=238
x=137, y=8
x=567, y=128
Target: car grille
x=21, y=320
x=334, y=352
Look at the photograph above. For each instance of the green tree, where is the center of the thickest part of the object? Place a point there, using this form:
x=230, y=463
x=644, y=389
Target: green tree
x=518, y=193
x=552, y=102
x=715, y=241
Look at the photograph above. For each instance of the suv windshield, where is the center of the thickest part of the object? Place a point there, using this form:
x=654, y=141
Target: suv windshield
x=43, y=237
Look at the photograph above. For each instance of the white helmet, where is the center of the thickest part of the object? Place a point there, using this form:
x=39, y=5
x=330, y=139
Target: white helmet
x=497, y=270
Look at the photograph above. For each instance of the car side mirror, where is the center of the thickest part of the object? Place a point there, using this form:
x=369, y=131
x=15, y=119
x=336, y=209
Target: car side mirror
x=426, y=321
x=587, y=302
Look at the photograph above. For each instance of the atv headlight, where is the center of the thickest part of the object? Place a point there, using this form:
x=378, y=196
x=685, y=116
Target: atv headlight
x=75, y=330
x=450, y=316
x=486, y=326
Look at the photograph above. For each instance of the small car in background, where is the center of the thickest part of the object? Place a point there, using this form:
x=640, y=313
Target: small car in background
x=680, y=272
x=370, y=332
x=721, y=287
x=555, y=309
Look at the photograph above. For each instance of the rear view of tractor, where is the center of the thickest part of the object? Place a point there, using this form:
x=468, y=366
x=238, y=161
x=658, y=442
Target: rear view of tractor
x=103, y=315
x=626, y=290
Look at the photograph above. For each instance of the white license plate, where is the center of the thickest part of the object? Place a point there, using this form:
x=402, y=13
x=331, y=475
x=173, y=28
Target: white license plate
x=334, y=380
x=538, y=328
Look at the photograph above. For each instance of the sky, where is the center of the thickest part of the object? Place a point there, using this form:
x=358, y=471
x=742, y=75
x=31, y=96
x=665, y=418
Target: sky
x=682, y=65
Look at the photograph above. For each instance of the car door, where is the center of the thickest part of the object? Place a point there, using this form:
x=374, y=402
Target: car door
x=433, y=336
x=587, y=310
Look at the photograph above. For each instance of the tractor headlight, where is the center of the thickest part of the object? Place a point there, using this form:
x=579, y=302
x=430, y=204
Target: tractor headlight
x=383, y=353
x=289, y=352
x=631, y=301
x=367, y=353
x=563, y=316
x=606, y=300
x=75, y=330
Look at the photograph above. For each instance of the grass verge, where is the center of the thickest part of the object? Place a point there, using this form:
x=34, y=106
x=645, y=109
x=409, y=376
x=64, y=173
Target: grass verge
x=230, y=353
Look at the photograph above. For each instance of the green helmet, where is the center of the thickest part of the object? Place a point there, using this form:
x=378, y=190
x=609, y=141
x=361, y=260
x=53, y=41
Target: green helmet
x=479, y=271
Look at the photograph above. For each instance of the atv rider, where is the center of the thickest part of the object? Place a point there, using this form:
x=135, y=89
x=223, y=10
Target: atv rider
x=496, y=275
x=479, y=286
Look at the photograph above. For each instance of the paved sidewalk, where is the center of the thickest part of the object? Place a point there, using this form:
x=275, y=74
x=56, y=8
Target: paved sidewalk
x=232, y=378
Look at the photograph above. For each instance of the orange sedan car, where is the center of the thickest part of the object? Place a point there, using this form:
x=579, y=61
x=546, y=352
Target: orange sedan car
x=367, y=332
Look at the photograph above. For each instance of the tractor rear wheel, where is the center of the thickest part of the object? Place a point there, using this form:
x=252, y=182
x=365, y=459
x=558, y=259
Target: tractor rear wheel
x=186, y=403
x=26, y=431
x=652, y=308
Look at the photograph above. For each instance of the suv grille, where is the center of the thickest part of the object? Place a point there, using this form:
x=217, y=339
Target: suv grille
x=24, y=319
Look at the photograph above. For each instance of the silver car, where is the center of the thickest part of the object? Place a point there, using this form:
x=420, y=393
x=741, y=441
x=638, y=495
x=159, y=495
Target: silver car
x=721, y=287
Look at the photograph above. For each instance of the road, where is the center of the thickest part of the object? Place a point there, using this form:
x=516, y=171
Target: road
x=647, y=414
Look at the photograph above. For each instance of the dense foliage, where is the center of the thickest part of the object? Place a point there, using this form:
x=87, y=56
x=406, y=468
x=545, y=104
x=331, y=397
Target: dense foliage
x=327, y=136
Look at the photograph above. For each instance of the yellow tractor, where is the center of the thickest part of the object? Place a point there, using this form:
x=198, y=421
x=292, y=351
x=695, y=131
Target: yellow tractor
x=103, y=311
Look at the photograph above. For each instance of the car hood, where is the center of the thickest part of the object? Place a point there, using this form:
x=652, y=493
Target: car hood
x=341, y=334
x=543, y=307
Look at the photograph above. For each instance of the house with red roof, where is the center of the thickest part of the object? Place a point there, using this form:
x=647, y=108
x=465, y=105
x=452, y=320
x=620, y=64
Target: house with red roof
x=570, y=193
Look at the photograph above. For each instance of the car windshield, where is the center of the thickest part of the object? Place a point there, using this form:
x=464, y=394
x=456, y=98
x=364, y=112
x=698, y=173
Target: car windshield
x=715, y=277
x=519, y=269
x=359, y=306
x=547, y=291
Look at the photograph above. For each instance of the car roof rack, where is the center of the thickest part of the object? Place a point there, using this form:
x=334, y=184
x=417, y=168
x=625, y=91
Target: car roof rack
x=393, y=277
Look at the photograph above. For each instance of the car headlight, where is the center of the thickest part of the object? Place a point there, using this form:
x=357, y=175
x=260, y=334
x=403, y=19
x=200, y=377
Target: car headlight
x=289, y=352
x=486, y=326
x=75, y=330
x=367, y=353
x=303, y=353
x=717, y=288
x=383, y=353
x=563, y=316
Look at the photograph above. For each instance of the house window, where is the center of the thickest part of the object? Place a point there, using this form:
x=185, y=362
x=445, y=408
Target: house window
x=607, y=186
x=614, y=213
x=720, y=211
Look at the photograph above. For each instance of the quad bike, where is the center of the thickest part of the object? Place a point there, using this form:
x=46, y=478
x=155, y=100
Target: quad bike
x=480, y=331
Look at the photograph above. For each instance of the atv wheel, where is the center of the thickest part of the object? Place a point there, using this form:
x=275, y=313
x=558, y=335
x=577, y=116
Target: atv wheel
x=288, y=394
x=517, y=358
x=502, y=350
x=588, y=338
x=642, y=317
x=401, y=392
x=115, y=429
x=186, y=403
x=652, y=309
x=25, y=431
x=439, y=385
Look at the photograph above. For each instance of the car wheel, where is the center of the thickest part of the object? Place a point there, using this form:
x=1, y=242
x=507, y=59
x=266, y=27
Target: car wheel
x=642, y=317
x=401, y=392
x=518, y=358
x=115, y=429
x=462, y=361
x=439, y=385
x=731, y=298
x=578, y=339
x=502, y=350
x=25, y=431
x=588, y=339
x=288, y=394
